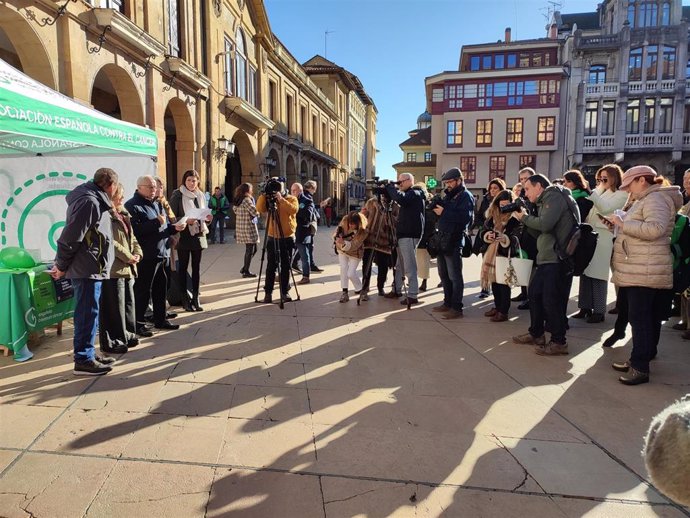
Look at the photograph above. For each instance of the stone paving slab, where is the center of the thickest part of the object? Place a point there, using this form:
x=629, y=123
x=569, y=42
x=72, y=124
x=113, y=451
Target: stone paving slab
x=329, y=409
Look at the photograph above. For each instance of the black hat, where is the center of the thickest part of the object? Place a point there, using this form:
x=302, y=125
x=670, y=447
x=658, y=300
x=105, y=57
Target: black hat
x=452, y=174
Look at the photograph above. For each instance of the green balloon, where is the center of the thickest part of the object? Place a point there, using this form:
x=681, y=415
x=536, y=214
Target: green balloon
x=15, y=257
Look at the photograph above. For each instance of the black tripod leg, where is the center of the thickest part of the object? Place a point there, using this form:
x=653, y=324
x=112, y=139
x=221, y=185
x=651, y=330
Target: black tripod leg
x=263, y=255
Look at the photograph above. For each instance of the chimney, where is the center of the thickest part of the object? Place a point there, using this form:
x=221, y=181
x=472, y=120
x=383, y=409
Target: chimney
x=507, y=37
x=553, y=31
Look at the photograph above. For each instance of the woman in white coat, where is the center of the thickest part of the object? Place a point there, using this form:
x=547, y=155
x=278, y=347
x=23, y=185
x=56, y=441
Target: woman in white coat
x=606, y=198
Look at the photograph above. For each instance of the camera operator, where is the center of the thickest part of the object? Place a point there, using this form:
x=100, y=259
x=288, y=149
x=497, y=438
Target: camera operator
x=409, y=230
x=281, y=235
x=550, y=283
x=455, y=211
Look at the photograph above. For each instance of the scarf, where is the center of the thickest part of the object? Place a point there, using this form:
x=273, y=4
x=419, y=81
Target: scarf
x=579, y=193
x=488, y=274
x=188, y=204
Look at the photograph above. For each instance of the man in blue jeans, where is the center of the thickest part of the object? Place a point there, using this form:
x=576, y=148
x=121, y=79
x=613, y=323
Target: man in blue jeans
x=409, y=230
x=85, y=255
x=455, y=213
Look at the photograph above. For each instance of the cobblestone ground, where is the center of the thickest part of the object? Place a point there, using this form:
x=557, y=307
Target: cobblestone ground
x=329, y=409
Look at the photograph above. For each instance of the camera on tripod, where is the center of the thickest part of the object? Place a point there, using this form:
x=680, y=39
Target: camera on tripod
x=516, y=206
x=274, y=185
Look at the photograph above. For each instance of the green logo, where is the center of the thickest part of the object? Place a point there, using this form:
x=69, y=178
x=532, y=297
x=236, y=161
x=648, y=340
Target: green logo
x=431, y=182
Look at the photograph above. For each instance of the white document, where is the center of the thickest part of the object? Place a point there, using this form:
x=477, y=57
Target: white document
x=198, y=214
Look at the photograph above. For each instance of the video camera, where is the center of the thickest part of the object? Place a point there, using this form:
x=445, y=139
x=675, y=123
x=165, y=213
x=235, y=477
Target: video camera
x=274, y=185
x=517, y=205
x=377, y=182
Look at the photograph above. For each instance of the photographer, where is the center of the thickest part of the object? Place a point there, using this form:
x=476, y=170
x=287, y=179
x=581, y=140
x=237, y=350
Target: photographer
x=281, y=235
x=409, y=230
x=455, y=211
x=382, y=216
x=501, y=235
x=550, y=282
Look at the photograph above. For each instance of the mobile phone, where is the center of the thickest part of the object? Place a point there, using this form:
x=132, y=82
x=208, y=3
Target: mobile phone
x=604, y=219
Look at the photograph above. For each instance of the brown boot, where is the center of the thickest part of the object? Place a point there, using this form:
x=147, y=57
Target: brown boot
x=491, y=312
x=441, y=309
x=528, y=339
x=551, y=349
x=499, y=317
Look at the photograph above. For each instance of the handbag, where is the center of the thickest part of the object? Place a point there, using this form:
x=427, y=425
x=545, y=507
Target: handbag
x=514, y=270
x=467, y=245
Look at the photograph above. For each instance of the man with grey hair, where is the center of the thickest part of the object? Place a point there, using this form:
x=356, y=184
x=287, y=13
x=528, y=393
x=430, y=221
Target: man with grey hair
x=84, y=255
x=152, y=229
x=409, y=228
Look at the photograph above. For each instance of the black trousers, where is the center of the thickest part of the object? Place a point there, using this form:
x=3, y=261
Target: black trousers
x=117, y=317
x=501, y=297
x=647, y=307
x=152, y=284
x=383, y=262
x=548, y=298
x=278, y=250
x=249, y=252
x=184, y=257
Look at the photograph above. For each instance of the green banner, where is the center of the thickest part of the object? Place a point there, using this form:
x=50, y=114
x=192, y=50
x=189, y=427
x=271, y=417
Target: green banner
x=41, y=127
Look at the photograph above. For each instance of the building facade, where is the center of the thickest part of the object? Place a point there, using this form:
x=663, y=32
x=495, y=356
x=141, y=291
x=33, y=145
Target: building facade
x=629, y=99
x=418, y=159
x=358, y=143
x=199, y=73
x=499, y=111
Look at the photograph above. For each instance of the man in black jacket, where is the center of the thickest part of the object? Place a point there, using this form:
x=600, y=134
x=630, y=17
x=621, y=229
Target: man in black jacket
x=455, y=213
x=85, y=254
x=409, y=230
x=306, y=213
x=152, y=229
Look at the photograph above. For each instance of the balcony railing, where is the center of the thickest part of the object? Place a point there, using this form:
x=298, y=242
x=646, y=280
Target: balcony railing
x=609, y=41
x=665, y=85
x=648, y=141
x=602, y=90
x=599, y=142
x=686, y=139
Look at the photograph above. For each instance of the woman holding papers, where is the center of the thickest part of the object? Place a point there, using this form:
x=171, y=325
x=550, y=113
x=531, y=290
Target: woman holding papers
x=189, y=205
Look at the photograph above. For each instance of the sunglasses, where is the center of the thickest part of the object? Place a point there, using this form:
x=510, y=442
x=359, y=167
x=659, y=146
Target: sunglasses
x=603, y=180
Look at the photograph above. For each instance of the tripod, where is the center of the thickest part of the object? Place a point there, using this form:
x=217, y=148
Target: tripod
x=386, y=210
x=277, y=252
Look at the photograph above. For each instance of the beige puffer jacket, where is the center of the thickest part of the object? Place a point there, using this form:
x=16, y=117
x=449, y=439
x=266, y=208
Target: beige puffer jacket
x=642, y=250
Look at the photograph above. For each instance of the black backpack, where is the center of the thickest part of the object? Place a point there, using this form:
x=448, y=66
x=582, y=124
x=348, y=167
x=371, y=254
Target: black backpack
x=580, y=244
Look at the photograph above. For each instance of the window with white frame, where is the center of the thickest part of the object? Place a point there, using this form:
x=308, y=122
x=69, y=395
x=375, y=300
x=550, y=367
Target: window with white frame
x=174, y=28
x=240, y=65
x=229, y=83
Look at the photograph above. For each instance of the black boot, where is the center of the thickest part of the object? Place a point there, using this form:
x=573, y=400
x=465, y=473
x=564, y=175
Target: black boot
x=195, y=302
x=186, y=303
x=422, y=286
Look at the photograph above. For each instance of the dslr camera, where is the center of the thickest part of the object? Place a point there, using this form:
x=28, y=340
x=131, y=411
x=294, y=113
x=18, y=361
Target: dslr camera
x=517, y=205
x=435, y=201
x=377, y=182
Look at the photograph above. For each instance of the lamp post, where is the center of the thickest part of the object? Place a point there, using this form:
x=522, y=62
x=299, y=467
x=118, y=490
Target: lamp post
x=268, y=165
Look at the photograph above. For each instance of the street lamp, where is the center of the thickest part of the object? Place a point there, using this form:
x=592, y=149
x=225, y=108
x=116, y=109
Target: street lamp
x=268, y=165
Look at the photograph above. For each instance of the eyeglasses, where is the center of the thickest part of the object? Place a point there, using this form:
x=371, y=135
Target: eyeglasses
x=603, y=180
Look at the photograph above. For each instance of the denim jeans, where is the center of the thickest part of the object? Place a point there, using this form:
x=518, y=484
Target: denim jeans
x=450, y=271
x=549, y=290
x=305, y=256
x=87, y=294
x=407, y=265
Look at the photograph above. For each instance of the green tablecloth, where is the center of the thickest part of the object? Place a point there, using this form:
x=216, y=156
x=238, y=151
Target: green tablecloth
x=28, y=303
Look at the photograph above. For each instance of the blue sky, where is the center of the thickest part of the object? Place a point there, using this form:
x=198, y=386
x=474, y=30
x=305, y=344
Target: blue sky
x=392, y=45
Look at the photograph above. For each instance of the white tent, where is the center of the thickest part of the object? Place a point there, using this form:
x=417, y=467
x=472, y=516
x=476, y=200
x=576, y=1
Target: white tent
x=49, y=144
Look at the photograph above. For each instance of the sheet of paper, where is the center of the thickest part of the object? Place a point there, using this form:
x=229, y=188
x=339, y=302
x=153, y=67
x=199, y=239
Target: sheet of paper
x=199, y=214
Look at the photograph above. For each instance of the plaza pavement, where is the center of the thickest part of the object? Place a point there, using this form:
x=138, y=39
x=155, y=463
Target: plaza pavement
x=328, y=409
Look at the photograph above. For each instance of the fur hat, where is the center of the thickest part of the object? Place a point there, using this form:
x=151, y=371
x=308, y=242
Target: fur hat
x=667, y=451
